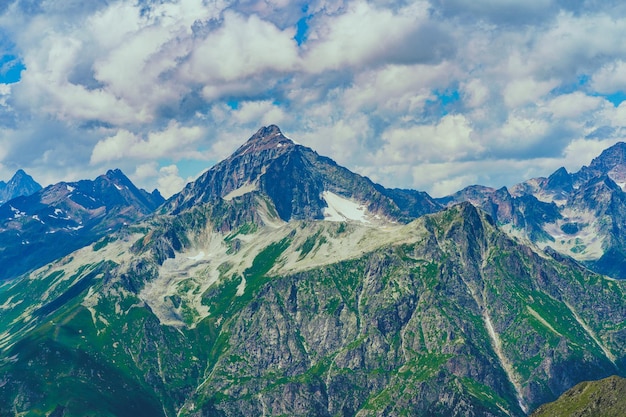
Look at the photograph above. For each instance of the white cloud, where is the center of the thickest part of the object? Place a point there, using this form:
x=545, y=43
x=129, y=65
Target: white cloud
x=572, y=106
x=174, y=142
x=610, y=78
x=343, y=138
x=262, y=112
x=475, y=92
x=363, y=34
x=449, y=140
x=5, y=93
x=239, y=48
x=521, y=92
x=396, y=89
x=147, y=170
x=169, y=181
x=576, y=43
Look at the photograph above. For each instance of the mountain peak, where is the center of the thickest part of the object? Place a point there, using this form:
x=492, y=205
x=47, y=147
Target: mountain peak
x=267, y=137
x=115, y=173
x=21, y=184
x=610, y=158
x=560, y=180
x=298, y=183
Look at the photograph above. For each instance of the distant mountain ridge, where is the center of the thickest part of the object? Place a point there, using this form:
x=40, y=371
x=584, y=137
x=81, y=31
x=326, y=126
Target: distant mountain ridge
x=63, y=217
x=581, y=215
x=21, y=184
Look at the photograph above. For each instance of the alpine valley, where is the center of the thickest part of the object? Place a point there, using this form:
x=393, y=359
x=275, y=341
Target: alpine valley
x=281, y=284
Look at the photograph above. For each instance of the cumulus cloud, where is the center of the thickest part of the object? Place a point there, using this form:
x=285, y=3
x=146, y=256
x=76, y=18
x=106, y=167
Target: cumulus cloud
x=173, y=142
x=572, y=106
x=242, y=46
x=450, y=140
x=169, y=181
x=365, y=34
x=428, y=94
x=610, y=78
x=521, y=92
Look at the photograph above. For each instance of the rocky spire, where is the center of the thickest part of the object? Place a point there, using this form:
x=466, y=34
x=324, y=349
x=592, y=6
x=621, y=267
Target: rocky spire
x=267, y=137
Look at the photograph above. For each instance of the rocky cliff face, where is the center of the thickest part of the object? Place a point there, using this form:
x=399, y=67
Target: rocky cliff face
x=295, y=179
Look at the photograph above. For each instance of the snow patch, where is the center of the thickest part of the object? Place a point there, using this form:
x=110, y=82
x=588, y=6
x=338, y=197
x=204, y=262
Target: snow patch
x=118, y=187
x=244, y=189
x=17, y=213
x=241, y=288
x=198, y=257
x=341, y=209
x=584, y=245
x=70, y=188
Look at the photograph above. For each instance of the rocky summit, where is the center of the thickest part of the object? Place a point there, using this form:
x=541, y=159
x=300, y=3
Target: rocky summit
x=299, y=184
x=21, y=184
x=280, y=283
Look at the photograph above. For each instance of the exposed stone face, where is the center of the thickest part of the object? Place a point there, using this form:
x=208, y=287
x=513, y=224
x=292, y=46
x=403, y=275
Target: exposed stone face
x=294, y=178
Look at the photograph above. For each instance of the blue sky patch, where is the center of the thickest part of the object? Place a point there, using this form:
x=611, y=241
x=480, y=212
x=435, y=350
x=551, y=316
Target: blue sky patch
x=10, y=69
x=191, y=168
x=445, y=101
x=233, y=104
x=302, y=27
x=615, y=98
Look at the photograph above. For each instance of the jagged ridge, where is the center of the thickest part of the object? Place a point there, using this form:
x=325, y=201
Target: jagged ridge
x=56, y=220
x=294, y=178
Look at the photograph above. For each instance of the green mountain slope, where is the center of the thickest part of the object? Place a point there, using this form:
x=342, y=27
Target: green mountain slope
x=604, y=398
x=184, y=316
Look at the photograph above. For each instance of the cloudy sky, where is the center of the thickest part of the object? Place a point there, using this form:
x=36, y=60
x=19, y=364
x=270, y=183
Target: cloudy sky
x=432, y=95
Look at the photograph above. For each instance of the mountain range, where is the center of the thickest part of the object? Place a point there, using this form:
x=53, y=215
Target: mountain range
x=580, y=215
x=279, y=283
x=40, y=226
